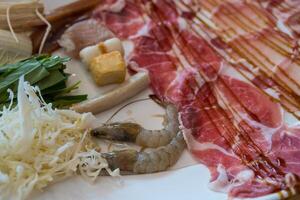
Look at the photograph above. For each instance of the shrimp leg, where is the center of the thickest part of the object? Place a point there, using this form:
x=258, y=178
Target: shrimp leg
x=150, y=161
x=132, y=132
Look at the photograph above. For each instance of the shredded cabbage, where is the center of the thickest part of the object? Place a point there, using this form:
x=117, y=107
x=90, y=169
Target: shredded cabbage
x=40, y=145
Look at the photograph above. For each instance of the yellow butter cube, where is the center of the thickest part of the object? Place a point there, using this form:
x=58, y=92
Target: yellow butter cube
x=108, y=68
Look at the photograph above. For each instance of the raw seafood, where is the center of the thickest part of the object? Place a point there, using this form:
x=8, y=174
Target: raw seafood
x=82, y=34
x=210, y=65
x=60, y=19
x=149, y=161
x=166, y=145
x=132, y=132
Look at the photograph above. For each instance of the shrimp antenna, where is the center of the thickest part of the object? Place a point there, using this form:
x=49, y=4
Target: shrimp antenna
x=132, y=102
x=156, y=99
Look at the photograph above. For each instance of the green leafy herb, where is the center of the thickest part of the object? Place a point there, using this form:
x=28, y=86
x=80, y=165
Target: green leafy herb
x=44, y=71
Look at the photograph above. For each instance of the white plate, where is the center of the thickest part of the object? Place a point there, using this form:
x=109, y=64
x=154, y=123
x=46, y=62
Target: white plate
x=186, y=180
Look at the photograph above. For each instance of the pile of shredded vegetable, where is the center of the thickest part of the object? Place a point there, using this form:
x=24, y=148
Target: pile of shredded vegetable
x=40, y=145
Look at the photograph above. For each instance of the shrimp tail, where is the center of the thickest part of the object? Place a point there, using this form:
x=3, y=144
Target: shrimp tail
x=122, y=159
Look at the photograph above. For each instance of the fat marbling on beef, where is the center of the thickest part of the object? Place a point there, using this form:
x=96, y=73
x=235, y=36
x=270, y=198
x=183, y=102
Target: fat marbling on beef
x=231, y=126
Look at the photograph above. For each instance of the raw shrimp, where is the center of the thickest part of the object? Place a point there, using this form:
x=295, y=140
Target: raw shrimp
x=149, y=161
x=132, y=132
x=166, y=145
